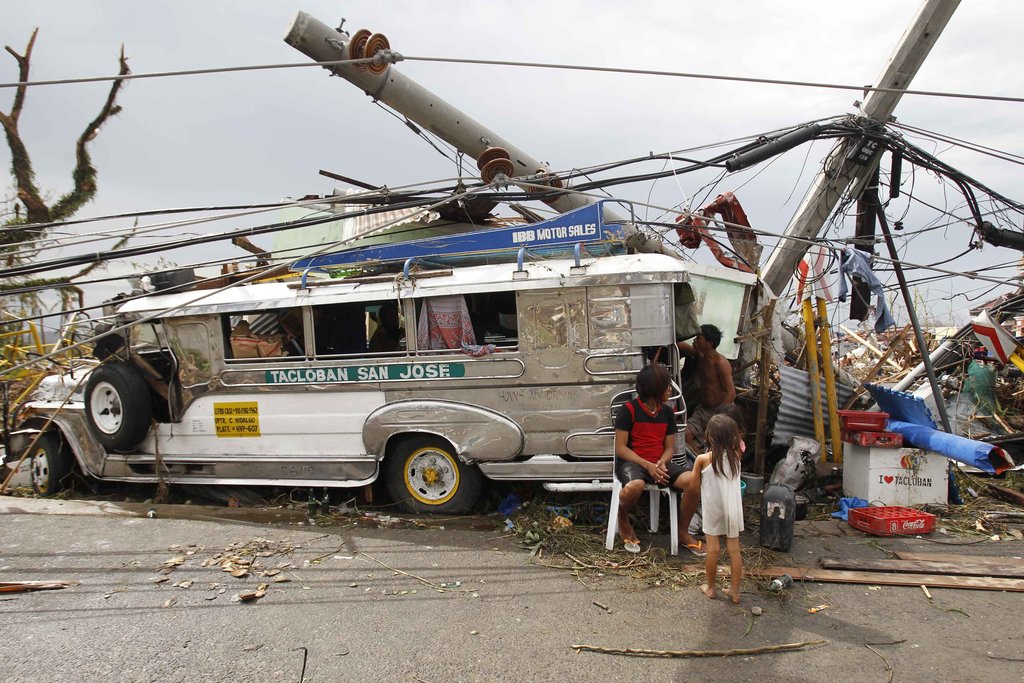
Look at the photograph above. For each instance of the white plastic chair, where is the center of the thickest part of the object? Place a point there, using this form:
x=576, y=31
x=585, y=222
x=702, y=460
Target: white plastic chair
x=654, y=497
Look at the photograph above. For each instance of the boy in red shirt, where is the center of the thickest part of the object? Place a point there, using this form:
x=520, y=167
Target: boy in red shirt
x=645, y=435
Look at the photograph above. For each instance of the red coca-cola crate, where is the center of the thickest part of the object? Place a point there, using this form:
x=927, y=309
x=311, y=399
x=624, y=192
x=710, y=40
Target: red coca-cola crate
x=874, y=439
x=862, y=420
x=892, y=520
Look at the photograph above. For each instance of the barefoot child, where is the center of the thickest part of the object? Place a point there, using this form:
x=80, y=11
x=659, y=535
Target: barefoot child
x=721, y=507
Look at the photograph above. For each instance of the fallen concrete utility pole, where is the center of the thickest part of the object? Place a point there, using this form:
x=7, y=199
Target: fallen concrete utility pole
x=848, y=169
x=384, y=83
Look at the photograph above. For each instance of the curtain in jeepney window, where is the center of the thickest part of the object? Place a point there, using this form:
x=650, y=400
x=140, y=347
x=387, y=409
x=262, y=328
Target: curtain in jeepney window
x=444, y=323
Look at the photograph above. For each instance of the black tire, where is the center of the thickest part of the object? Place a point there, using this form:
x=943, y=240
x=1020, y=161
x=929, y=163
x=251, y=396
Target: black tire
x=118, y=406
x=424, y=474
x=50, y=464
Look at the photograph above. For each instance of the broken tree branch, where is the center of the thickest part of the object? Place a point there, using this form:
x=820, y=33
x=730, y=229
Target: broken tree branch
x=21, y=164
x=639, y=652
x=84, y=175
x=23, y=65
x=436, y=586
x=888, y=666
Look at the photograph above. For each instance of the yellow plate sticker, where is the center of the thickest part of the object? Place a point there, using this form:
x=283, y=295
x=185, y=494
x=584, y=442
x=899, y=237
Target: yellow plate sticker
x=237, y=419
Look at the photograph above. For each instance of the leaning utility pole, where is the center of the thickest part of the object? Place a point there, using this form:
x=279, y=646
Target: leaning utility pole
x=384, y=83
x=850, y=164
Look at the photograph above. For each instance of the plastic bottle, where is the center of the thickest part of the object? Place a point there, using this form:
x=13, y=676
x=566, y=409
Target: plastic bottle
x=780, y=584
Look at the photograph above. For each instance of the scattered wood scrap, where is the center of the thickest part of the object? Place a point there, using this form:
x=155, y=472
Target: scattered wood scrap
x=27, y=586
x=641, y=652
x=948, y=557
x=810, y=574
x=959, y=568
x=1007, y=494
x=894, y=579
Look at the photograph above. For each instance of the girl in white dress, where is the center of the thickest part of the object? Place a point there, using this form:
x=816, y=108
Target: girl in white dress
x=718, y=473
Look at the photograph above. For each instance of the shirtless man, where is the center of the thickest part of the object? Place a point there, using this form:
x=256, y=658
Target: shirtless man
x=716, y=385
x=716, y=389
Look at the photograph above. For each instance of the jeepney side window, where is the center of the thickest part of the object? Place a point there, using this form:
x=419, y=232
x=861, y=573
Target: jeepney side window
x=475, y=324
x=495, y=318
x=253, y=335
x=386, y=327
x=359, y=329
x=443, y=324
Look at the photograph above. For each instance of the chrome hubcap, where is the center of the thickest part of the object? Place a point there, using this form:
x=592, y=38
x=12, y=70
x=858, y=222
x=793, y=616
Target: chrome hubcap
x=432, y=476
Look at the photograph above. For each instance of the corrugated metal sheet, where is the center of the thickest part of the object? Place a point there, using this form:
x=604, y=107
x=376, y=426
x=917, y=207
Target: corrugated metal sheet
x=795, y=416
x=290, y=245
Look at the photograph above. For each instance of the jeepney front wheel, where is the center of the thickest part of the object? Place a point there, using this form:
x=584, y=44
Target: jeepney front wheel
x=50, y=464
x=424, y=474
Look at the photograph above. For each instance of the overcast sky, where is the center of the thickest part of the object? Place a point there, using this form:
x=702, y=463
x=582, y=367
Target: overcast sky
x=261, y=136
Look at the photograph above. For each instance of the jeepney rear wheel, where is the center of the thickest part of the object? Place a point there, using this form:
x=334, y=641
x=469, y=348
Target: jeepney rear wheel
x=424, y=474
x=49, y=464
x=118, y=406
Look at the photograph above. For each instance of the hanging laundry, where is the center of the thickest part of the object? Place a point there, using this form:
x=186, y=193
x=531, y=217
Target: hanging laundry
x=856, y=263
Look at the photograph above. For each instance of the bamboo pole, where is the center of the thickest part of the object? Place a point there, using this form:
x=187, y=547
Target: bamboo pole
x=825, y=332
x=641, y=652
x=811, y=347
x=762, y=392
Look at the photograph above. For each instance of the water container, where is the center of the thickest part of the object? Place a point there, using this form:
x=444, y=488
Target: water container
x=778, y=512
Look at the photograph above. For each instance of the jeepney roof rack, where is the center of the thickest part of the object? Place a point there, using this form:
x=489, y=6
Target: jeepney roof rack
x=559, y=237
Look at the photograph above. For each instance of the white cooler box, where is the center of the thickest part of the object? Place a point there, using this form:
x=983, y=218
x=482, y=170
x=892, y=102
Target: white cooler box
x=895, y=476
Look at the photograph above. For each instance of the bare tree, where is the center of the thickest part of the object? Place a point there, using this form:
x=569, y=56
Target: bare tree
x=21, y=233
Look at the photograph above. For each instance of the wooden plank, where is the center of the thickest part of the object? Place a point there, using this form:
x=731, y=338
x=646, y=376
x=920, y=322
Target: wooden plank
x=876, y=578
x=1007, y=494
x=870, y=377
x=949, y=557
x=924, y=567
x=26, y=586
x=871, y=347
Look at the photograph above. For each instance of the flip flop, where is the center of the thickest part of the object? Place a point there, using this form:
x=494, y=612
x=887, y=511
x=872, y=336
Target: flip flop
x=631, y=546
x=697, y=549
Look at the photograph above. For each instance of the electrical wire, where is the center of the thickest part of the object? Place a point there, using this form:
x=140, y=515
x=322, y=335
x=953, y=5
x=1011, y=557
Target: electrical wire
x=520, y=64
x=1002, y=155
x=326, y=248
x=838, y=130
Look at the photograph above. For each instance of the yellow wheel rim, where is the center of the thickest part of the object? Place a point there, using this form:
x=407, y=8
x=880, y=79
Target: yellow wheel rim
x=431, y=475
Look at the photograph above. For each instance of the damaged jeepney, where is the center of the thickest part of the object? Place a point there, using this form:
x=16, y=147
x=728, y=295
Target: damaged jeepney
x=436, y=380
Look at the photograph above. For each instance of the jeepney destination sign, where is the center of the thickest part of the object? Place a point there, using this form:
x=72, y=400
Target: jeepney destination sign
x=366, y=373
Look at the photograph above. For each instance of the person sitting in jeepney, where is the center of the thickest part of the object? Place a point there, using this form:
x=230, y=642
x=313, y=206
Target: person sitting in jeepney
x=388, y=335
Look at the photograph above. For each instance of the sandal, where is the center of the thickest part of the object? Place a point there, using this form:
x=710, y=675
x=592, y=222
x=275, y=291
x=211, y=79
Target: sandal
x=697, y=549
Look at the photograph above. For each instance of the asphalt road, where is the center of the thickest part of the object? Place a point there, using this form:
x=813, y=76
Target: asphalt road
x=364, y=604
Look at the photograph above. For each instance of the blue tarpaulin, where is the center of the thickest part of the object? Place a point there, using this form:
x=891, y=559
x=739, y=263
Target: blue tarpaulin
x=911, y=418
x=984, y=456
x=847, y=504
